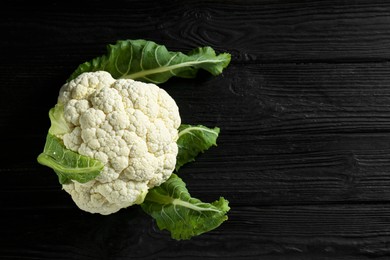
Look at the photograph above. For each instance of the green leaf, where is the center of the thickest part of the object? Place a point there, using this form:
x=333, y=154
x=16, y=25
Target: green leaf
x=147, y=61
x=57, y=120
x=194, y=140
x=67, y=164
x=184, y=217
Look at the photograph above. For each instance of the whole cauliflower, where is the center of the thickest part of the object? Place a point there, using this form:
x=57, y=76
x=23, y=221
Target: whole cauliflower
x=130, y=126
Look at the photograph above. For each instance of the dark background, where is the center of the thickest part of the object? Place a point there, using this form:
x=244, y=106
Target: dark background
x=304, y=111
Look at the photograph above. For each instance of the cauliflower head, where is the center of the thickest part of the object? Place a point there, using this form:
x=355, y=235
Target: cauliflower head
x=130, y=126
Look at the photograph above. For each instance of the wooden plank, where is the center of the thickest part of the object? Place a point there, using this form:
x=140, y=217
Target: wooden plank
x=307, y=133
x=297, y=232
x=260, y=31
x=269, y=31
x=303, y=155
x=291, y=99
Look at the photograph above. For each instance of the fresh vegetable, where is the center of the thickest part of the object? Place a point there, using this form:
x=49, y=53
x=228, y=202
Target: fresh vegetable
x=131, y=127
x=116, y=137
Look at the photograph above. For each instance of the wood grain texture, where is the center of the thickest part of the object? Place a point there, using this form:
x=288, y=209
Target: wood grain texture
x=279, y=232
x=303, y=155
x=253, y=31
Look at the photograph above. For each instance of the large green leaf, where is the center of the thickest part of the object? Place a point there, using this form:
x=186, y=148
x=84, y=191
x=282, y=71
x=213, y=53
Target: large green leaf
x=175, y=210
x=147, y=61
x=67, y=164
x=194, y=140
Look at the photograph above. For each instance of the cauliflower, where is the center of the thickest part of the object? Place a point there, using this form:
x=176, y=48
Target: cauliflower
x=115, y=141
x=129, y=126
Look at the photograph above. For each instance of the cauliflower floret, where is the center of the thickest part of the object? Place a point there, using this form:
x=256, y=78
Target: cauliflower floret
x=74, y=108
x=131, y=127
x=84, y=85
x=106, y=198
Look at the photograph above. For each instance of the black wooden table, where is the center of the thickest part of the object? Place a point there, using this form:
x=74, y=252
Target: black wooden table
x=304, y=111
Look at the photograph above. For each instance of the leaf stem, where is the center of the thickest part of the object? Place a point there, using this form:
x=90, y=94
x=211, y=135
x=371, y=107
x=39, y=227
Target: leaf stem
x=144, y=73
x=196, y=128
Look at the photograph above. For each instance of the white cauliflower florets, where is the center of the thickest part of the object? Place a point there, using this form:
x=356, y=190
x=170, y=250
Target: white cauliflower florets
x=128, y=125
